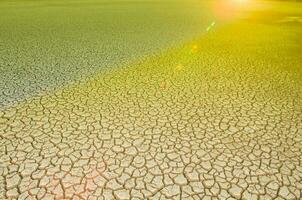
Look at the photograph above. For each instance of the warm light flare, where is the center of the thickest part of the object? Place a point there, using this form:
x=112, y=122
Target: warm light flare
x=239, y=1
x=228, y=9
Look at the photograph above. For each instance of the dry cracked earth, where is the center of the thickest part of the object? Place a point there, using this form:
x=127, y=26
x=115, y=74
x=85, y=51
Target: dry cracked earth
x=217, y=118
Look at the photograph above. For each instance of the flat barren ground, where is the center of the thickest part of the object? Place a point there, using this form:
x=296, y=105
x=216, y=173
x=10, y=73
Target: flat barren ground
x=45, y=45
x=208, y=113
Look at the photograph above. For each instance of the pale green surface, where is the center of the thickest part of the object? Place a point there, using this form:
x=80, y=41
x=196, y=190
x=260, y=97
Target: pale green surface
x=48, y=44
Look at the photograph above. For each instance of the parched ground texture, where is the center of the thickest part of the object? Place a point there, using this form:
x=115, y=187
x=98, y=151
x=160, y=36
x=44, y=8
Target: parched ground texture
x=217, y=118
x=45, y=45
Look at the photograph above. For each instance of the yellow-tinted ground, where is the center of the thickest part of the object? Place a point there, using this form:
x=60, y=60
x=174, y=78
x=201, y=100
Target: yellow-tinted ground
x=218, y=118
